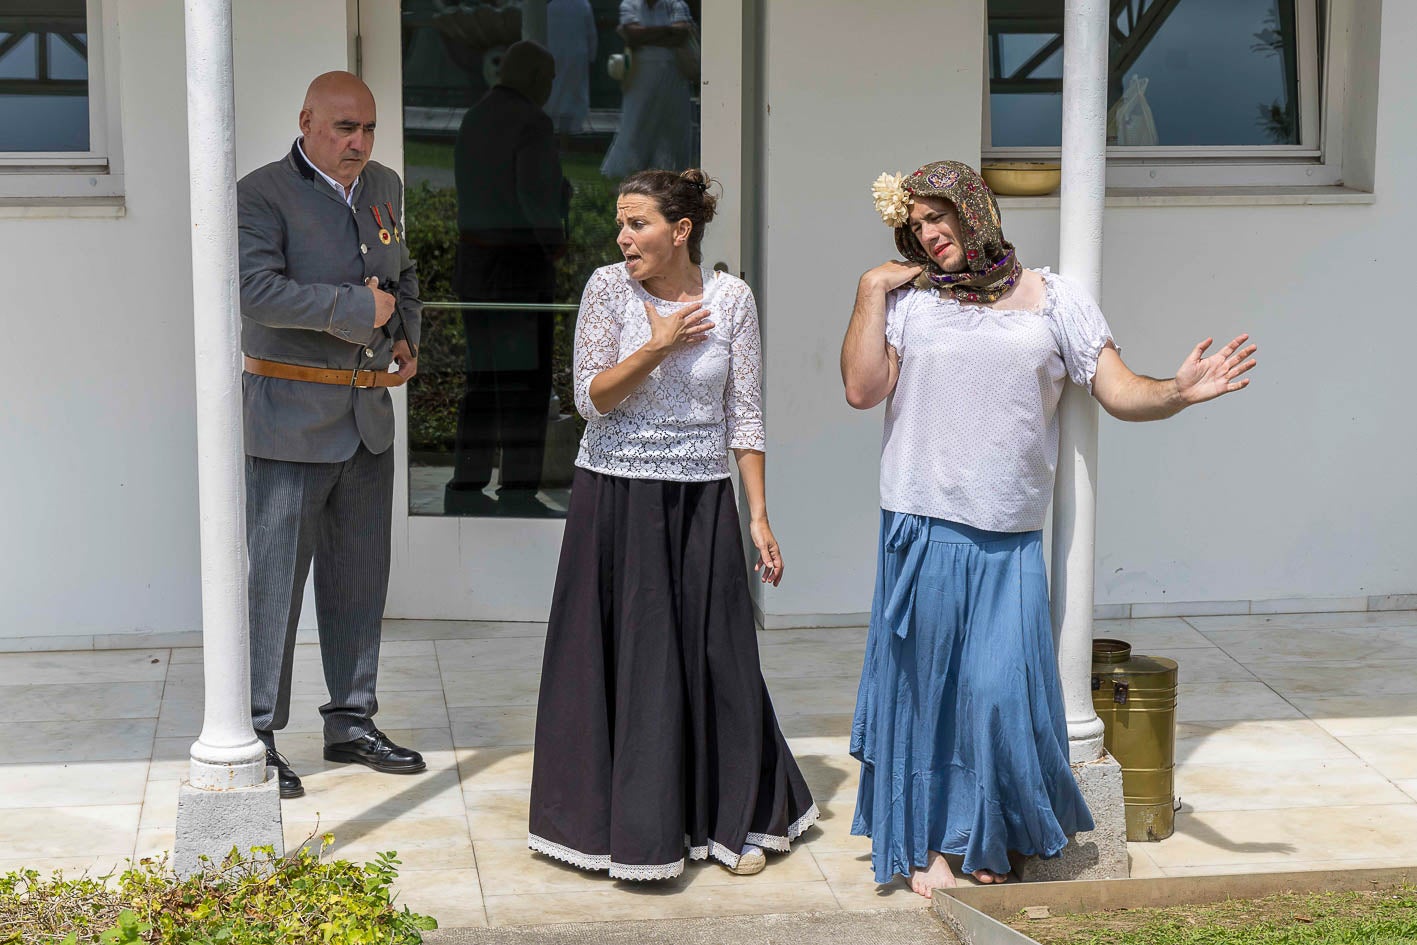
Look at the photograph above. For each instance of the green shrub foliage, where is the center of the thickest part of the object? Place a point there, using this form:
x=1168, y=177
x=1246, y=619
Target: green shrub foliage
x=251, y=899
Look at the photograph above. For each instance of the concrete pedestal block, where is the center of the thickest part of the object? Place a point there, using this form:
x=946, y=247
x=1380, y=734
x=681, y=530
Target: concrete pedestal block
x=1100, y=853
x=210, y=823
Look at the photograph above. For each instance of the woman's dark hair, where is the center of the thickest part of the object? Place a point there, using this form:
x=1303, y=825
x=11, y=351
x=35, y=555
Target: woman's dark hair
x=682, y=196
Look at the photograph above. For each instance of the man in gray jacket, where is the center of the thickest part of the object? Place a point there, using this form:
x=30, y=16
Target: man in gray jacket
x=329, y=301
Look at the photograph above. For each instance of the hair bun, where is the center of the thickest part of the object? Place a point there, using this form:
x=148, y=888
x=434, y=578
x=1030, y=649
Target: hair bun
x=698, y=177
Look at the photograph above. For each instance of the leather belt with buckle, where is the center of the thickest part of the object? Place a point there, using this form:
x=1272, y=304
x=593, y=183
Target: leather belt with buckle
x=314, y=375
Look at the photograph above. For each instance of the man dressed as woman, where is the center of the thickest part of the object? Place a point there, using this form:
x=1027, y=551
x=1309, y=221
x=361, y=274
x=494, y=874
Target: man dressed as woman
x=959, y=723
x=655, y=736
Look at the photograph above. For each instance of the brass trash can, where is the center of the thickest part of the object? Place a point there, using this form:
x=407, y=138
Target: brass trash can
x=1135, y=696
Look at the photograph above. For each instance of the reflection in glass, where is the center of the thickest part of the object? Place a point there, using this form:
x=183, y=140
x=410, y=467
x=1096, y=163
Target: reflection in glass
x=656, y=114
x=512, y=202
x=510, y=207
x=44, y=87
x=1183, y=73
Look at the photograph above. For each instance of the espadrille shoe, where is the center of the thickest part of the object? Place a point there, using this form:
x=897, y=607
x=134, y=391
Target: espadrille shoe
x=750, y=861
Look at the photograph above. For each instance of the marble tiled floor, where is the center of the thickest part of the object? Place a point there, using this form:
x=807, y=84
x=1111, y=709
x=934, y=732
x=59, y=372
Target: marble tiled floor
x=1297, y=749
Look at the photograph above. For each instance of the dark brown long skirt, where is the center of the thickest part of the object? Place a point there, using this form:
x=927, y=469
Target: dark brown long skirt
x=655, y=736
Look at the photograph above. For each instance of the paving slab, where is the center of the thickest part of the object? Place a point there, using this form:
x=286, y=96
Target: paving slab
x=1294, y=752
x=810, y=928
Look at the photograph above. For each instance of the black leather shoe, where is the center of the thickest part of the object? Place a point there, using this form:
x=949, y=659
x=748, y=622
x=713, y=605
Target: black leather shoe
x=290, y=785
x=467, y=501
x=374, y=749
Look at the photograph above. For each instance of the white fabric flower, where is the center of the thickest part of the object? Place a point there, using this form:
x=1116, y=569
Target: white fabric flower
x=892, y=200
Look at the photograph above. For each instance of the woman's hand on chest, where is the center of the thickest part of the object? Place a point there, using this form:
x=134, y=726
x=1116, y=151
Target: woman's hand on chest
x=685, y=327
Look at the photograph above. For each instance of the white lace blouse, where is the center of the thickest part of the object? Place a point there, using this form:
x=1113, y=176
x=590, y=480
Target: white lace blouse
x=972, y=425
x=699, y=403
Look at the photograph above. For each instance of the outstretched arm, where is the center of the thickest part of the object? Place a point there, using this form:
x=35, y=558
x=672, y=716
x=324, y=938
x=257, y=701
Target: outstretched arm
x=1129, y=396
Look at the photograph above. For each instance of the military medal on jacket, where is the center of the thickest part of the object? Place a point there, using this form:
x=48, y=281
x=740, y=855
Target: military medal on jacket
x=393, y=221
x=384, y=236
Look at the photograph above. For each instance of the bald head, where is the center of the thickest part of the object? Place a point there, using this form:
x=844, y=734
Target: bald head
x=337, y=122
x=337, y=87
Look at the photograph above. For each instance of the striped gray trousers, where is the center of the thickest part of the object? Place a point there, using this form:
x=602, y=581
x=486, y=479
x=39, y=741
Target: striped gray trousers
x=339, y=514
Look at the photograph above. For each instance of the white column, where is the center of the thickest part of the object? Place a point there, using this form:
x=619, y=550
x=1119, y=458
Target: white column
x=534, y=20
x=1080, y=258
x=227, y=754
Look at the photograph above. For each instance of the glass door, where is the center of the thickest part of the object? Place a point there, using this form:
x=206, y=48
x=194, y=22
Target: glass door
x=517, y=122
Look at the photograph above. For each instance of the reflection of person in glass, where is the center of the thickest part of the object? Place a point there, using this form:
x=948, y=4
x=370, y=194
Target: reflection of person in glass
x=572, y=39
x=511, y=205
x=655, y=735
x=656, y=116
x=960, y=726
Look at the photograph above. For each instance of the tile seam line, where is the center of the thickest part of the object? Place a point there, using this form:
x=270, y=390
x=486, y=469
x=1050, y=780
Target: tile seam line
x=152, y=753
x=462, y=790
x=830, y=888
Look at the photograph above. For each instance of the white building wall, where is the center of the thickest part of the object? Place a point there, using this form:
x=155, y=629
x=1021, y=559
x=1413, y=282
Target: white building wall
x=1292, y=489
x=843, y=99
x=100, y=472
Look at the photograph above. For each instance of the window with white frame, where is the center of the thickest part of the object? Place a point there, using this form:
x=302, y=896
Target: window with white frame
x=58, y=129
x=1200, y=92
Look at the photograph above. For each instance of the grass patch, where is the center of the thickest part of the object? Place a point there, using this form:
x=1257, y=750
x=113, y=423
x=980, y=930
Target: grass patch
x=251, y=899
x=1372, y=917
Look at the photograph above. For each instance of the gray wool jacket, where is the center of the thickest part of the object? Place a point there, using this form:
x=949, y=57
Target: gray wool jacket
x=304, y=258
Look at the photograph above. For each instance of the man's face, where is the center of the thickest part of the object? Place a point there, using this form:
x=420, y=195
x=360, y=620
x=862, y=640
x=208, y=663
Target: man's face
x=339, y=132
x=935, y=223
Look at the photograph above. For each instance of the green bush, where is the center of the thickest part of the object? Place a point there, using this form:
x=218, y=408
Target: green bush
x=252, y=899
x=431, y=218
x=431, y=214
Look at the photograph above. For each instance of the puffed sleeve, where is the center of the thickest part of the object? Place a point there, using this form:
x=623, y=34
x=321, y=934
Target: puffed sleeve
x=1079, y=328
x=897, y=308
x=597, y=338
x=743, y=393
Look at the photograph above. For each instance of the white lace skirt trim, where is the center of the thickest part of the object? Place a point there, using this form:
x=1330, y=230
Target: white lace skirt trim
x=715, y=849
x=602, y=861
x=635, y=871
x=783, y=844
x=586, y=861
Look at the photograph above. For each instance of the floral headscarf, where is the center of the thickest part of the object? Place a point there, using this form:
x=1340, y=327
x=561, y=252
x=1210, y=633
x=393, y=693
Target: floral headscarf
x=992, y=267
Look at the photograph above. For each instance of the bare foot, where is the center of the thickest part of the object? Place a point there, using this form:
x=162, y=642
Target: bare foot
x=989, y=877
x=938, y=876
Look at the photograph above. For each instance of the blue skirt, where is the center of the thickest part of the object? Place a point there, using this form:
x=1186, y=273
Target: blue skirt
x=959, y=723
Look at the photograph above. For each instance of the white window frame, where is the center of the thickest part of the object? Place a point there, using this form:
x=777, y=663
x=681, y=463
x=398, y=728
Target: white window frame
x=1315, y=162
x=95, y=175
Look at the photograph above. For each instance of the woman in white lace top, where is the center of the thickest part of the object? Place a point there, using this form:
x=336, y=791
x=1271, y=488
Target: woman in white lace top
x=702, y=396
x=655, y=737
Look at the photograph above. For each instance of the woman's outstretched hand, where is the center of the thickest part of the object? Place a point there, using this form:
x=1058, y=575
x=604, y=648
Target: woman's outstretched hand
x=684, y=327
x=1200, y=378
x=769, y=566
